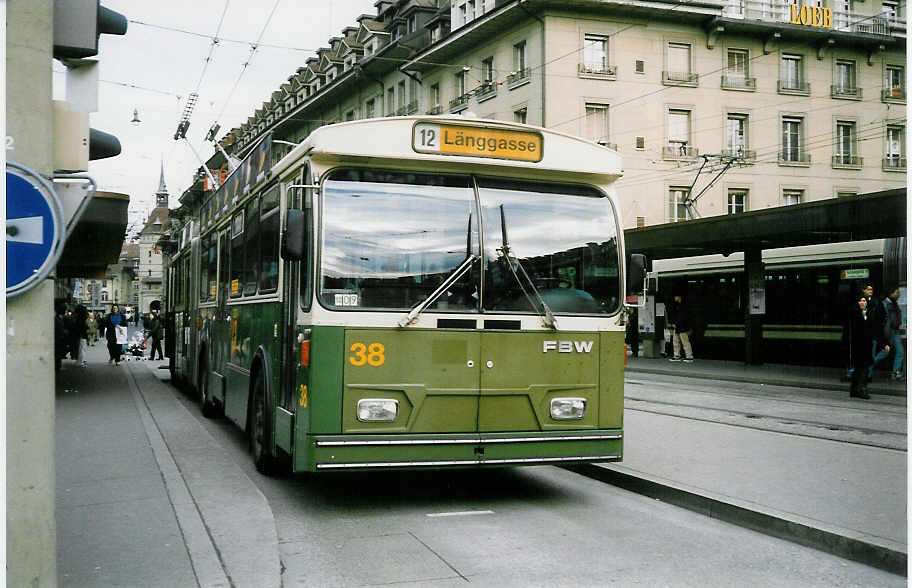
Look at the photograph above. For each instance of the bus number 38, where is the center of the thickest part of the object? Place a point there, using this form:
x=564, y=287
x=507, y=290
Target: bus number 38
x=372, y=355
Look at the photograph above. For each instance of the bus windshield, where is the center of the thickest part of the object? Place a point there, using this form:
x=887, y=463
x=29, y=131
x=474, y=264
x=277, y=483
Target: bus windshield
x=390, y=239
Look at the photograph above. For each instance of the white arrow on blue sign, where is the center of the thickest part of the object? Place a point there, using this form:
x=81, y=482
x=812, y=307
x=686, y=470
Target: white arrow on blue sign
x=34, y=229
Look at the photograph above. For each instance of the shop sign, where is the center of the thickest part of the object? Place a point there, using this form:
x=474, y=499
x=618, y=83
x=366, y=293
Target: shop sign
x=812, y=16
x=854, y=274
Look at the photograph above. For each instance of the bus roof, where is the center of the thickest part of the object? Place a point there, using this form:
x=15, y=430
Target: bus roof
x=398, y=138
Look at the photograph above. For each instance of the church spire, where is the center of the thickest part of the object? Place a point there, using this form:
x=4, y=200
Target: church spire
x=161, y=197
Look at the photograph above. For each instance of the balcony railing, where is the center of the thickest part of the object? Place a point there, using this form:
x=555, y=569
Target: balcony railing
x=436, y=109
x=847, y=160
x=894, y=163
x=680, y=78
x=676, y=151
x=412, y=107
x=485, y=90
x=794, y=157
x=401, y=111
x=608, y=72
x=739, y=83
x=793, y=87
x=852, y=93
x=460, y=102
x=517, y=77
x=778, y=12
x=891, y=94
x=743, y=155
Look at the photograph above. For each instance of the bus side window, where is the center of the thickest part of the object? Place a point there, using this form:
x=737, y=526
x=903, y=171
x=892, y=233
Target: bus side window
x=237, y=255
x=303, y=200
x=269, y=241
x=223, y=266
x=204, y=269
x=251, y=246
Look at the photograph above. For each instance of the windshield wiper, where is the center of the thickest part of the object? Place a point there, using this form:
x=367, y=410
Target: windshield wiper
x=451, y=279
x=546, y=315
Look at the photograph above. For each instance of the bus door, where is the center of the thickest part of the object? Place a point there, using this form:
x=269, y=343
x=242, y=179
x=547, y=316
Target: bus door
x=221, y=326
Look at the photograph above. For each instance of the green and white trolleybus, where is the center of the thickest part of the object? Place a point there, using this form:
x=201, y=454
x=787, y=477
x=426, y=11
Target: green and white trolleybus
x=410, y=292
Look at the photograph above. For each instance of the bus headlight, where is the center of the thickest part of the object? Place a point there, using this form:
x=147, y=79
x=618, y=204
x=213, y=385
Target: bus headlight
x=567, y=408
x=377, y=410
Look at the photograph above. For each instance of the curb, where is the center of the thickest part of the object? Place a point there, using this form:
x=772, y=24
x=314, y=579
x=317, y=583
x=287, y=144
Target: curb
x=747, y=378
x=859, y=547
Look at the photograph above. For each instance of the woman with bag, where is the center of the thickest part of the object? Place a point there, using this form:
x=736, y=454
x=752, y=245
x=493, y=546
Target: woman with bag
x=116, y=334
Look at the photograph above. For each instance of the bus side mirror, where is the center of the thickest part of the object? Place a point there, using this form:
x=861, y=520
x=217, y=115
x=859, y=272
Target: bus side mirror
x=636, y=273
x=295, y=235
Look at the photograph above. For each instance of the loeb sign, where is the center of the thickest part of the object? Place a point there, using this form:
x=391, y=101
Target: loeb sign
x=814, y=16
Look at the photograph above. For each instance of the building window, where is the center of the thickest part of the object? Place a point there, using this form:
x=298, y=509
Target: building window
x=790, y=197
x=460, y=83
x=401, y=89
x=736, y=76
x=597, y=123
x=350, y=115
x=595, y=53
x=519, y=56
x=519, y=115
x=791, y=75
x=412, y=23
x=369, y=109
x=737, y=201
x=895, y=149
x=792, y=141
x=678, y=135
x=390, y=101
x=844, y=81
x=891, y=11
x=736, y=136
x=487, y=70
x=678, y=65
x=677, y=211
x=434, y=98
x=894, y=83
x=846, y=146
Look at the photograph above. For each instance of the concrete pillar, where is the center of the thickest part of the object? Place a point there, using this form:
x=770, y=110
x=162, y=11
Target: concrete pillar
x=30, y=526
x=755, y=309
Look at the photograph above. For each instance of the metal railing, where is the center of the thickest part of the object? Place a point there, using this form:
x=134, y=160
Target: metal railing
x=519, y=76
x=485, y=90
x=742, y=154
x=412, y=107
x=893, y=94
x=787, y=86
x=436, y=109
x=894, y=162
x=460, y=101
x=679, y=151
x=838, y=91
x=593, y=69
x=841, y=159
x=794, y=156
x=739, y=83
x=683, y=78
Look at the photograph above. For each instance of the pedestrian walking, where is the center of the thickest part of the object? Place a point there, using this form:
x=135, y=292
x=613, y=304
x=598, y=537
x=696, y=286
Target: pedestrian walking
x=680, y=321
x=892, y=325
x=79, y=335
x=633, y=332
x=92, y=329
x=115, y=334
x=100, y=320
x=155, y=332
x=864, y=333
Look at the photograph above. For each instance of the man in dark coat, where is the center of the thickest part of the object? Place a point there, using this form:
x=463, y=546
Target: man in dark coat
x=155, y=332
x=864, y=334
x=680, y=322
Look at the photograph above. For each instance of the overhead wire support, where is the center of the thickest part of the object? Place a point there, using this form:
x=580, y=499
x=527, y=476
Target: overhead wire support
x=690, y=201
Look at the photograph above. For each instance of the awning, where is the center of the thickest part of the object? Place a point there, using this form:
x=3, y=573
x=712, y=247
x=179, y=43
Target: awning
x=97, y=239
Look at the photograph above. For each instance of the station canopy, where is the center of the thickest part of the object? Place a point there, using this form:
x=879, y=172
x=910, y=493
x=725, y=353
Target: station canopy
x=877, y=215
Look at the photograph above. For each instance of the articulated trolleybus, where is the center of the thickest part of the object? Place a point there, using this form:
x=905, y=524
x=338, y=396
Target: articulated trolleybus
x=410, y=292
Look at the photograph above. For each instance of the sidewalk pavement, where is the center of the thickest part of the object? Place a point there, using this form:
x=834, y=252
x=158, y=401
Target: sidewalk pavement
x=824, y=378
x=845, y=498
x=145, y=497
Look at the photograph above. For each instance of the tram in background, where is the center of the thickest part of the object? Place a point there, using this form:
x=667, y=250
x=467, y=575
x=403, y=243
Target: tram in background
x=410, y=292
x=809, y=291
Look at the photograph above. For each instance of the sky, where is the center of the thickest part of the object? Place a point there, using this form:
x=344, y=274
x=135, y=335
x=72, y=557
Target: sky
x=153, y=69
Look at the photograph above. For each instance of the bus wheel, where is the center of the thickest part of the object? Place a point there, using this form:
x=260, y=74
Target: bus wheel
x=259, y=429
x=207, y=405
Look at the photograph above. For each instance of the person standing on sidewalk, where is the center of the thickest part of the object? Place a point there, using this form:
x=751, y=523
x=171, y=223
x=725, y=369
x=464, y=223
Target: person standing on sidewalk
x=155, y=331
x=114, y=320
x=92, y=329
x=680, y=321
x=80, y=338
x=892, y=324
x=864, y=334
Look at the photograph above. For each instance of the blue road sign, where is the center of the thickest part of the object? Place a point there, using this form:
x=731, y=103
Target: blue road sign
x=34, y=229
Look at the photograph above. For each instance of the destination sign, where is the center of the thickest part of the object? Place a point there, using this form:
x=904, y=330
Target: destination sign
x=477, y=141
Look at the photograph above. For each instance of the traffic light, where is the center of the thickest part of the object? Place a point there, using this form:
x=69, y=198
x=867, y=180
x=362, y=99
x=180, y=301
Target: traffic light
x=77, y=26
